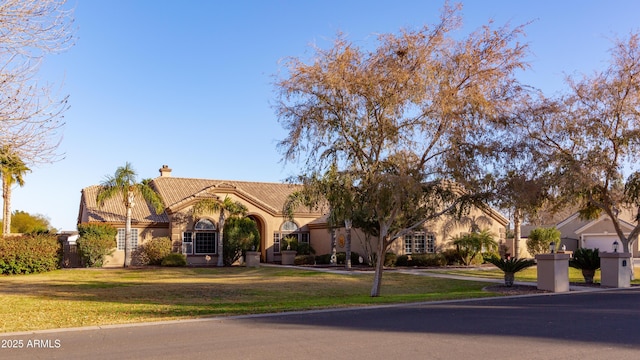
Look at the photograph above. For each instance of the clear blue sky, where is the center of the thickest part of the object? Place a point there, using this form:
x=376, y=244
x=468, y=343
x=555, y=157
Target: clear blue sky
x=189, y=83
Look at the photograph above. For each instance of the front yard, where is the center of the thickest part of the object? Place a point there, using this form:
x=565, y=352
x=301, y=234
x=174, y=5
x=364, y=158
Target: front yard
x=84, y=297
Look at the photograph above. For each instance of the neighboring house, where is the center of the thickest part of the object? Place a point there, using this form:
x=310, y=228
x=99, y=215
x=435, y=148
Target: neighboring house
x=598, y=233
x=197, y=236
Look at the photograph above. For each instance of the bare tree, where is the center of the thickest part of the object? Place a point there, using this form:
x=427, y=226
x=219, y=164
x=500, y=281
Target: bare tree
x=399, y=119
x=30, y=113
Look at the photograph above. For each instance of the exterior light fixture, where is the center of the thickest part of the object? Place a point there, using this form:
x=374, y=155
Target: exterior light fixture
x=616, y=244
x=552, y=247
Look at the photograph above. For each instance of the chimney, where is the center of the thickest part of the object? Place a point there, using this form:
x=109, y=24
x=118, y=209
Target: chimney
x=165, y=171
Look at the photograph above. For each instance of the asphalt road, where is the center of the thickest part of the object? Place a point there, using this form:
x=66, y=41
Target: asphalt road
x=585, y=325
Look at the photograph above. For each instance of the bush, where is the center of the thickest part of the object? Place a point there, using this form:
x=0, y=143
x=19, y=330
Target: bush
x=324, y=259
x=341, y=258
x=153, y=251
x=304, y=260
x=95, y=243
x=540, y=238
x=587, y=260
x=402, y=260
x=433, y=260
x=390, y=259
x=240, y=235
x=174, y=259
x=452, y=257
x=289, y=243
x=306, y=249
x=29, y=254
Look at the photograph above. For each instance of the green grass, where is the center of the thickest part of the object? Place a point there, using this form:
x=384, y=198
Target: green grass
x=529, y=274
x=84, y=297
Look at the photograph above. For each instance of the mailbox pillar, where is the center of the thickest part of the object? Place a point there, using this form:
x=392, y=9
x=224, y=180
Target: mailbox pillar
x=553, y=272
x=615, y=269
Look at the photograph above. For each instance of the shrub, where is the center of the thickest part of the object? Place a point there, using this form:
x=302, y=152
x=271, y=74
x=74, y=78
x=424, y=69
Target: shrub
x=304, y=260
x=240, y=235
x=540, y=238
x=341, y=258
x=390, y=259
x=587, y=260
x=510, y=266
x=95, y=243
x=451, y=256
x=289, y=243
x=29, y=254
x=402, y=260
x=174, y=259
x=153, y=251
x=470, y=245
x=306, y=249
x=324, y=259
x=434, y=260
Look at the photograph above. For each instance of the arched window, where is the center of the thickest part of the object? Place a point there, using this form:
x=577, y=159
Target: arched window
x=289, y=229
x=202, y=240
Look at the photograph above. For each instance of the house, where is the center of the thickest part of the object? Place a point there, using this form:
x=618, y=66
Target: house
x=597, y=233
x=197, y=236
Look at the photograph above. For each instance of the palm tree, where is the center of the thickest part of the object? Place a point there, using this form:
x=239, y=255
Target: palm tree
x=12, y=169
x=124, y=183
x=225, y=208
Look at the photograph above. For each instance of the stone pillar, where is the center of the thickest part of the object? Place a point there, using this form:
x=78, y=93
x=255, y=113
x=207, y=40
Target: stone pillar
x=615, y=269
x=252, y=259
x=553, y=272
x=288, y=257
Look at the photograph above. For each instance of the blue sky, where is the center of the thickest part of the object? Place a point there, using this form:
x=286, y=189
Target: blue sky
x=189, y=83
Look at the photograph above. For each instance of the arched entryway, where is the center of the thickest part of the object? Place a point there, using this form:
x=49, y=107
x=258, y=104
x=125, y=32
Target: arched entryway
x=261, y=229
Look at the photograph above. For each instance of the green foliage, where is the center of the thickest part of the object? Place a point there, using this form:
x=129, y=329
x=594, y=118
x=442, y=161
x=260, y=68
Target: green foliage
x=289, y=243
x=341, y=258
x=28, y=254
x=174, y=260
x=95, y=243
x=304, y=260
x=153, y=251
x=540, y=238
x=24, y=223
x=469, y=246
x=510, y=265
x=422, y=260
x=97, y=230
x=240, y=235
x=323, y=259
x=585, y=259
x=306, y=249
x=390, y=259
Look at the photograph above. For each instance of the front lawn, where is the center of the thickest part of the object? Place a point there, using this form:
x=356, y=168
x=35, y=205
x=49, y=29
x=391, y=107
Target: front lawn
x=83, y=297
x=529, y=274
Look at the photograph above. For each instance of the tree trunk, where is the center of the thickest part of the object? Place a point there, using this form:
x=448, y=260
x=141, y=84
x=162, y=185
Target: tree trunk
x=377, y=278
x=509, y=277
x=516, y=234
x=588, y=275
x=333, y=260
x=127, y=233
x=347, y=261
x=6, y=206
x=220, y=234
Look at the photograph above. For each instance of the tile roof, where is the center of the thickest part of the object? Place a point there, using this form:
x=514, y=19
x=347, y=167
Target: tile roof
x=114, y=210
x=177, y=192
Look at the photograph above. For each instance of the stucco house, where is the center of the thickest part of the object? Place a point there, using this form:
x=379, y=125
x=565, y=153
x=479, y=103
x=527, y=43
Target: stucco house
x=197, y=236
x=578, y=233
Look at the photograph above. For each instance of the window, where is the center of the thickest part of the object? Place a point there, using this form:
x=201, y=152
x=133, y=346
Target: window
x=187, y=243
x=203, y=240
x=419, y=242
x=289, y=229
x=134, y=239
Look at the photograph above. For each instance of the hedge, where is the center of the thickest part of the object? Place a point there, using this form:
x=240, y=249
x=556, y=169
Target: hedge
x=28, y=254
